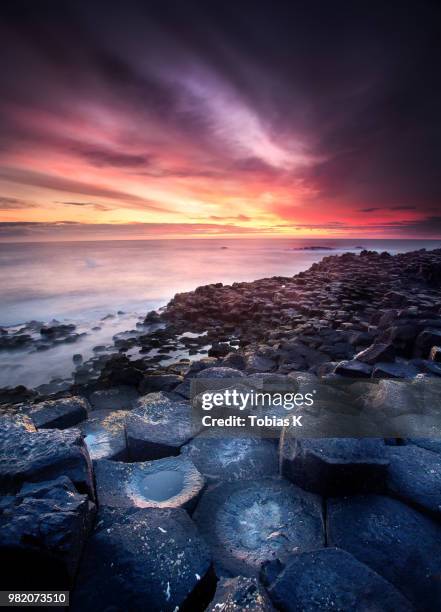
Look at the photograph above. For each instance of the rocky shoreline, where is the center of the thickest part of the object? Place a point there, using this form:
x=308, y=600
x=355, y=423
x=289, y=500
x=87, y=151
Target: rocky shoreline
x=109, y=489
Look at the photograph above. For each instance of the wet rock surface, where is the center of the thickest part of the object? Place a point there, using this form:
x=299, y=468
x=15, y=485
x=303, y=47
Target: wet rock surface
x=115, y=398
x=248, y=522
x=27, y=456
x=335, y=466
x=331, y=579
x=173, y=482
x=238, y=594
x=43, y=530
x=150, y=559
x=394, y=540
x=415, y=477
x=105, y=434
x=368, y=316
x=60, y=413
x=157, y=427
x=232, y=458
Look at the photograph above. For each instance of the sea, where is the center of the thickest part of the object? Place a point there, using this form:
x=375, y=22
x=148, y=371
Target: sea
x=85, y=282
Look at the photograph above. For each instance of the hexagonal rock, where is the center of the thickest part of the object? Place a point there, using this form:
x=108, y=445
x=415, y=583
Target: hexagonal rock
x=59, y=413
x=27, y=456
x=173, y=482
x=115, y=398
x=415, y=476
x=331, y=579
x=233, y=458
x=151, y=559
x=353, y=369
x=105, y=435
x=220, y=372
x=238, y=594
x=378, y=351
x=249, y=522
x=396, y=541
x=42, y=533
x=335, y=466
x=432, y=444
x=157, y=427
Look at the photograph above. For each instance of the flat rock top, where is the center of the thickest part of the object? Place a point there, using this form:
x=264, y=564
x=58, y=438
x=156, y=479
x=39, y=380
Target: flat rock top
x=248, y=522
x=150, y=559
x=232, y=458
x=332, y=579
x=393, y=539
x=157, y=418
x=170, y=482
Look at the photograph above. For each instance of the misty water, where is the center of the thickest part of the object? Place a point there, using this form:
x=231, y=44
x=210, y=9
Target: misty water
x=84, y=282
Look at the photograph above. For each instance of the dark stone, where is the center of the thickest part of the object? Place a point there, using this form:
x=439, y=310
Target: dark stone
x=415, y=477
x=395, y=370
x=157, y=427
x=173, y=482
x=42, y=533
x=16, y=395
x=353, y=369
x=394, y=540
x=432, y=444
x=331, y=579
x=219, y=372
x=59, y=413
x=335, y=466
x=232, y=458
x=159, y=382
x=151, y=559
x=57, y=330
x=376, y=352
x=27, y=456
x=427, y=339
x=239, y=594
x=152, y=317
x=234, y=360
x=115, y=398
x=105, y=435
x=248, y=522
x=255, y=363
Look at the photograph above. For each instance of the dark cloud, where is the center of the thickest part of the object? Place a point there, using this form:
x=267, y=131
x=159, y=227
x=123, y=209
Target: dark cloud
x=14, y=204
x=65, y=230
x=357, y=84
x=40, y=179
x=101, y=157
x=100, y=207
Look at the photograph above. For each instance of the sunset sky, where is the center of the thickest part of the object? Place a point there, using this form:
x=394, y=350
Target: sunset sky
x=154, y=119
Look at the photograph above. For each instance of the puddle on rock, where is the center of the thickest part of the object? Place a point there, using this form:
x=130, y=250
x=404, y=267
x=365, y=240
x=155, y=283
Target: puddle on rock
x=158, y=486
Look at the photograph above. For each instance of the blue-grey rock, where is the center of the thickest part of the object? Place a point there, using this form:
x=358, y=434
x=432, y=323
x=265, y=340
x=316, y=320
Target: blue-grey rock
x=331, y=579
x=157, y=427
x=59, y=413
x=122, y=397
x=248, y=522
x=35, y=456
x=415, y=476
x=149, y=559
x=396, y=541
x=173, y=482
x=42, y=533
x=353, y=369
x=232, y=458
x=104, y=434
x=335, y=466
